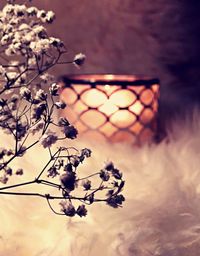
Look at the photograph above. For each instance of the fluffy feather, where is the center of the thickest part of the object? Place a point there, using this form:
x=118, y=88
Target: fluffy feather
x=161, y=215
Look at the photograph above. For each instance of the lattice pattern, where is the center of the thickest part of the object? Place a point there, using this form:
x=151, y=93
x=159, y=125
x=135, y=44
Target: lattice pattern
x=114, y=107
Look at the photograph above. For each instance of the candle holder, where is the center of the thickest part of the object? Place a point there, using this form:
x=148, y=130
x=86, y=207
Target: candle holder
x=113, y=107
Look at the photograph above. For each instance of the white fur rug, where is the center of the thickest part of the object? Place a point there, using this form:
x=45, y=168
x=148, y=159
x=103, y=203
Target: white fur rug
x=161, y=215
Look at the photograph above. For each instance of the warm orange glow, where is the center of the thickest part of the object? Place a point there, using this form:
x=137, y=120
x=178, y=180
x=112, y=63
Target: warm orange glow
x=115, y=111
x=107, y=87
x=108, y=108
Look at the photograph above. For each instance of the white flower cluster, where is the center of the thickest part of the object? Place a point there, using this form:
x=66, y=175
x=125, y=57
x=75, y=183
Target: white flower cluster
x=79, y=59
x=21, y=30
x=28, y=115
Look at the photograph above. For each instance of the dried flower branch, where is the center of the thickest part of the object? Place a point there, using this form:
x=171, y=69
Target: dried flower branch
x=27, y=115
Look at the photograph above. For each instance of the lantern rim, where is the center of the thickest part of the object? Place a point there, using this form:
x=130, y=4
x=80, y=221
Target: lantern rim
x=110, y=79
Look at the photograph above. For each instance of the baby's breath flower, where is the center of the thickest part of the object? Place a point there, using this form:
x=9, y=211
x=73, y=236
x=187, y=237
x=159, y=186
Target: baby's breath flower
x=10, y=152
x=87, y=184
x=39, y=111
x=2, y=152
x=86, y=152
x=24, y=26
x=40, y=31
x=67, y=208
x=117, y=174
x=20, y=10
x=81, y=211
x=79, y=59
x=9, y=8
x=41, y=95
x=4, y=179
x=10, y=51
x=5, y=39
x=31, y=62
x=68, y=180
x=15, y=47
x=63, y=122
x=53, y=89
x=46, y=77
x=40, y=46
x=41, y=14
x=50, y=16
x=25, y=93
x=2, y=102
x=75, y=161
x=70, y=132
x=12, y=75
x=19, y=172
x=115, y=201
x=68, y=167
x=21, y=129
x=32, y=11
x=110, y=193
x=23, y=37
x=8, y=171
x=49, y=139
x=56, y=42
x=109, y=166
x=60, y=104
x=104, y=175
x=53, y=172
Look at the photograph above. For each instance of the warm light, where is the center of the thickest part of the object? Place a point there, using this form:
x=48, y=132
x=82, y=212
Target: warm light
x=108, y=108
x=107, y=87
x=118, y=107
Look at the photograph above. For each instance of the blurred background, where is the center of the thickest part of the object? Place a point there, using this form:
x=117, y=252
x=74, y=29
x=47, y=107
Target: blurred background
x=157, y=38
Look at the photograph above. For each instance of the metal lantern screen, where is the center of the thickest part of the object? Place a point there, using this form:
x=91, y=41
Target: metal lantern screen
x=113, y=107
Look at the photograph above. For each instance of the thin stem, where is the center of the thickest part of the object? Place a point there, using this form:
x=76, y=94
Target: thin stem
x=51, y=159
x=57, y=213
x=7, y=162
x=22, y=194
x=99, y=188
x=94, y=174
x=50, y=197
x=17, y=154
x=18, y=185
x=48, y=183
x=65, y=62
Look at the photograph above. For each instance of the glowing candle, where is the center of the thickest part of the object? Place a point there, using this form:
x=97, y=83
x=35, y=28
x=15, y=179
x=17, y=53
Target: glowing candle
x=117, y=107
